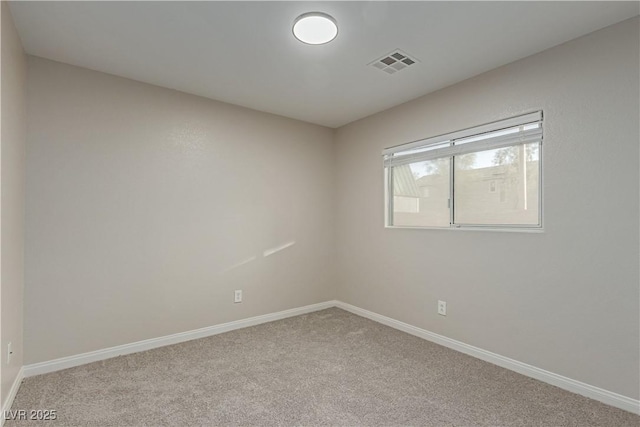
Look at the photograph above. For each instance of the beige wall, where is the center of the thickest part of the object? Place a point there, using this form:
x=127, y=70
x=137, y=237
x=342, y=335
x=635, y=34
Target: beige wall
x=565, y=300
x=12, y=189
x=143, y=203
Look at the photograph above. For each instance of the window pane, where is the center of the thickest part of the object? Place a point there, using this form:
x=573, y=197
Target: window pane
x=498, y=186
x=421, y=194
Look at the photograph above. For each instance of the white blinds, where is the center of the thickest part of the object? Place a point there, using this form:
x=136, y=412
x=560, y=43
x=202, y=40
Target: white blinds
x=524, y=129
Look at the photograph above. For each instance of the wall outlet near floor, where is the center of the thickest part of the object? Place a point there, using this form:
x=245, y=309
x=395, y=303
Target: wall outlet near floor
x=237, y=296
x=442, y=308
x=9, y=353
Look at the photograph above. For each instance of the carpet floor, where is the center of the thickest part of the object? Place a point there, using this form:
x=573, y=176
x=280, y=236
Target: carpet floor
x=325, y=368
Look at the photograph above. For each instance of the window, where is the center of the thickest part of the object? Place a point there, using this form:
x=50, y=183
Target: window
x=488, y=176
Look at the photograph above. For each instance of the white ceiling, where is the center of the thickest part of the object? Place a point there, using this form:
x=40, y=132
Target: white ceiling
x=244, y=52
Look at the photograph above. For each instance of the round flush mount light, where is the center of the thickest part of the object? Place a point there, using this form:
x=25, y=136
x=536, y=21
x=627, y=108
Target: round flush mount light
x=315, y=28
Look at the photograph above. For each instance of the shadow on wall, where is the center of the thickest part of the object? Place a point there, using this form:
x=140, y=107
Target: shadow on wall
x=266, y=253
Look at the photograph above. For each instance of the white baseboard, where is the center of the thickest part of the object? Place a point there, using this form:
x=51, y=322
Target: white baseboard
x=107, y=353
x=596, y=393
x=8, y=402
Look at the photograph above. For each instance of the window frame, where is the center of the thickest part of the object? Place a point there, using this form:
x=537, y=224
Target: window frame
x=520, y=120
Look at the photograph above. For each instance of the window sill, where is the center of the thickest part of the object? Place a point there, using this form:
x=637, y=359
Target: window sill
x=469, y=228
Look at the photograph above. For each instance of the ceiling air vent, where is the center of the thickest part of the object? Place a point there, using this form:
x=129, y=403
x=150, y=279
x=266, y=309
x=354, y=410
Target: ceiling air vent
x=394, y=61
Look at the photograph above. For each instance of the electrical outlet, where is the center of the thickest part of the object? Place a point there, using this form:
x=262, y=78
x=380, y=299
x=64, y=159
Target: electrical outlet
x=9, y=353
x=237, y=296
x=442, y=308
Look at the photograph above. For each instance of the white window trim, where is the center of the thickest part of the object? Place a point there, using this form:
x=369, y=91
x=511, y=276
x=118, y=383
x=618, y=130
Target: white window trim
x=469, y=132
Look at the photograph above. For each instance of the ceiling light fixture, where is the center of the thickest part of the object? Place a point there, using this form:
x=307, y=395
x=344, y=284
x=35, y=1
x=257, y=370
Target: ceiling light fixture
x=315, y=28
